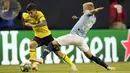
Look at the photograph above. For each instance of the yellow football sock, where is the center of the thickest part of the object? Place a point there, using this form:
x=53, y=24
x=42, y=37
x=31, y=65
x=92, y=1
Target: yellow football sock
x=67, y=60
x=33, y=54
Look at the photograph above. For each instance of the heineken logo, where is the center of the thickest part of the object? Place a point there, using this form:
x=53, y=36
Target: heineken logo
x=110, y=47
x=126, y=44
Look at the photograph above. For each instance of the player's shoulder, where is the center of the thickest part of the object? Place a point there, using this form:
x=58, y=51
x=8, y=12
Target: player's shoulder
x=25, y=14
x=39, y=13
x=87, y=12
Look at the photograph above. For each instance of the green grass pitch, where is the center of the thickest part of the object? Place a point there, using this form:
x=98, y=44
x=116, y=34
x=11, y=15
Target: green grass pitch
x=122, y=67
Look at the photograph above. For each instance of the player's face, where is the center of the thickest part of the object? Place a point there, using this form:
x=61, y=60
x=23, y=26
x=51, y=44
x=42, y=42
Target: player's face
x=88, y=7
x=32, y=13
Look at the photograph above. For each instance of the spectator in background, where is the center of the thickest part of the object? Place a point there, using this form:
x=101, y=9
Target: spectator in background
x=6, y=5
x=117, y=15
x=3, y=22
x=9, y=9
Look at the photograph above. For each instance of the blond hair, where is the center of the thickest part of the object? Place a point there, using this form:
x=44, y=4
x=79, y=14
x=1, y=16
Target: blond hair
x=88, y=3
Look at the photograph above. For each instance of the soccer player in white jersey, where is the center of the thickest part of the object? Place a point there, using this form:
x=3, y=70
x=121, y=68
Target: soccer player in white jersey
x=78, y=34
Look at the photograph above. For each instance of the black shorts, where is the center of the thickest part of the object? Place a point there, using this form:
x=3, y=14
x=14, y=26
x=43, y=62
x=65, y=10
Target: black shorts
x=43, y=41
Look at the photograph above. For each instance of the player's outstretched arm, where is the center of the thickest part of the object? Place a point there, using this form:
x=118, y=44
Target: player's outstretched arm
x=42, y=23
x=96, y=10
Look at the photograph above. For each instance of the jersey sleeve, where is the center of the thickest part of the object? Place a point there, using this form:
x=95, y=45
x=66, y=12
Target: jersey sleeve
x=112, y=11
x=25, y=16
x=41, y=16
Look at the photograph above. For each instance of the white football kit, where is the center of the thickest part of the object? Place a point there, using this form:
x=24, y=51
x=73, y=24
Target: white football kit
x=78, y=33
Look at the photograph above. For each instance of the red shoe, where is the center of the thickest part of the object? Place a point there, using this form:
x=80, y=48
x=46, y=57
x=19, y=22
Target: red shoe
x=111, y=68
x=32, y=59
x=40, y=61
x=34, y=67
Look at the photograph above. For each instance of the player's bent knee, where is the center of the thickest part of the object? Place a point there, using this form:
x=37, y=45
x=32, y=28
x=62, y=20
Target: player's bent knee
x=84, y=47
x=33, y=44
x=88, y=54
x=55, y=43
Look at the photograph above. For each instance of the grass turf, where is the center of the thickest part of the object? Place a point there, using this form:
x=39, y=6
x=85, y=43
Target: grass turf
x=122, y=67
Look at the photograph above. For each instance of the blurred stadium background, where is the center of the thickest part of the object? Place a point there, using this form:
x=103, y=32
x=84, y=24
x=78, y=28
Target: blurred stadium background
x=59, y=12
x=111, y=45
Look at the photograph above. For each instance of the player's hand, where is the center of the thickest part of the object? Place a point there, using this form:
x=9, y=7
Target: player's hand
x=74, y=17
x=100, y=8
x=28, y=24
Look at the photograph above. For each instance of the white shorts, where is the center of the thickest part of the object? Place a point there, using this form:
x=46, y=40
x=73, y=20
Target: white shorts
x=73, y=39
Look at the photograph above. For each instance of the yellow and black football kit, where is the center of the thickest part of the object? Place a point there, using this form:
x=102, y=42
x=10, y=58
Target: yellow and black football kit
x=42, y=34
x=41, y=31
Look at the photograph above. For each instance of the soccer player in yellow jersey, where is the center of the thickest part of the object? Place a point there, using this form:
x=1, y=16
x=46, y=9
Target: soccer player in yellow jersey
x=35, y=19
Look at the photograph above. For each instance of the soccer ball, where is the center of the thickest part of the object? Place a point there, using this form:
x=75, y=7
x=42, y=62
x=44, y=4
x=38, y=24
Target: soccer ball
x=25, y=67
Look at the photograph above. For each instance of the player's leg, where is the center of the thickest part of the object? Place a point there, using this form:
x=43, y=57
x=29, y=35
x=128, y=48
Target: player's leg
x=54, y=46
x=84, y=47
x=46, y=41
x=46, y=51
x=63, y=40
x=36, y=42
x=66, y=59
x=98, y=60
x=33, y=46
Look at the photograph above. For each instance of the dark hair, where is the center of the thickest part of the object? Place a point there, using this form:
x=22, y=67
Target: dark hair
x=31, y=6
